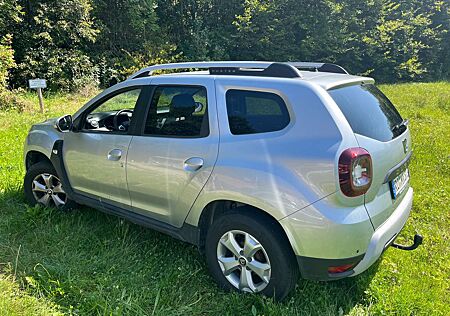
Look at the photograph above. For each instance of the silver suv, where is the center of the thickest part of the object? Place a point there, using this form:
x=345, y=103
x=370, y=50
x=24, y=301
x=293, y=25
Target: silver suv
x=273, y=170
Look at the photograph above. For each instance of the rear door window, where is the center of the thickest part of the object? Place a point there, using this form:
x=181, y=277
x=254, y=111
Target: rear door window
x=368, y=111
x=251, y=112
x=178, y=111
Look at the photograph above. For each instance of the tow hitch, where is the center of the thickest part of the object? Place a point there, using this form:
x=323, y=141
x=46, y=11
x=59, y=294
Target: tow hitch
x=417, y=242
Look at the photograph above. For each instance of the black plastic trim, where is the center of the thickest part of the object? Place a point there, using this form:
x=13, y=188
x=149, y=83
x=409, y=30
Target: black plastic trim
x=398, y=168
x=278, y=70
x=317, y=268
x=140, y=112
x=187, y=233
x=327, y=67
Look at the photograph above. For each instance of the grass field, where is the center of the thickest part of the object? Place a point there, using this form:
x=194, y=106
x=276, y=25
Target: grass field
x=86, y=262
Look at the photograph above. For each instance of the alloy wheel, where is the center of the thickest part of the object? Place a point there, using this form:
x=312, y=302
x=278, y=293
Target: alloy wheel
x=47, y=190
x=243, y=261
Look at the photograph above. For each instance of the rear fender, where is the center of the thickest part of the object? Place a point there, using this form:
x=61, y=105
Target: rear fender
x=278, y=193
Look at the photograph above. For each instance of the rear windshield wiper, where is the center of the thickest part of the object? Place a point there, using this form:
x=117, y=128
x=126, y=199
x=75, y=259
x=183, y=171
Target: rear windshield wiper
x=397, y=127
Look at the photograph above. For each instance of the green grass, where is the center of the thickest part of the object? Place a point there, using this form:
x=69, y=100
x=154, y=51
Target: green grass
x=86, y=262
x=13, y=301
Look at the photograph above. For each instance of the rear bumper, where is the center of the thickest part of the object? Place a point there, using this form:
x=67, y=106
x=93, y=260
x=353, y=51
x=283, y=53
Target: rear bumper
x=383, y=237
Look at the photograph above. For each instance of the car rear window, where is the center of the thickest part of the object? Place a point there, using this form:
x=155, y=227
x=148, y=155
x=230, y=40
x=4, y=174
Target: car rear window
x=368, y=111
x=251, y=112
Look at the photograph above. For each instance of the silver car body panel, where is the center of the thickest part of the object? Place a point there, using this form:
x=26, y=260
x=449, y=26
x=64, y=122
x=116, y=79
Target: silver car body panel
x=160, y=184
x=328, y=230
x=89, y=169
x=41, y=138
x=330, y=81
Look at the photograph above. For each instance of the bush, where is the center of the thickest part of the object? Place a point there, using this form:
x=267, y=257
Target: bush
x=64, y=69
x=9, y=100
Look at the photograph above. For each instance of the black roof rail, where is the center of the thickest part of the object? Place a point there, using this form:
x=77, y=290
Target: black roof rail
x=246, y=68
x=279, y=70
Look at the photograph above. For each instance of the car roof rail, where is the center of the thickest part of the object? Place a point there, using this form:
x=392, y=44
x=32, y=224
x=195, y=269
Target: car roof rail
x=245, y=68
x=249, y=68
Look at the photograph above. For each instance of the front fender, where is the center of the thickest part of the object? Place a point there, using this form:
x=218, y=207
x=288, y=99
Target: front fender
x=41, y=138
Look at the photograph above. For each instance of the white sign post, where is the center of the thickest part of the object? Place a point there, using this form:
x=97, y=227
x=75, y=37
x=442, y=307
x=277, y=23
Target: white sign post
x=38, y=84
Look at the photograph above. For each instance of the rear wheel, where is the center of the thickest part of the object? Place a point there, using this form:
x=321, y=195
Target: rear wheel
x=250, y=254
x=43, y=186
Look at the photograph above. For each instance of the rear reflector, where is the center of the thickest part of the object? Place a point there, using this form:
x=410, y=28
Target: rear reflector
x=340, y=269
x=355, y=171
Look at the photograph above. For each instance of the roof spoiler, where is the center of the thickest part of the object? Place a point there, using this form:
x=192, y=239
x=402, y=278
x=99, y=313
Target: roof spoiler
x=321, y=67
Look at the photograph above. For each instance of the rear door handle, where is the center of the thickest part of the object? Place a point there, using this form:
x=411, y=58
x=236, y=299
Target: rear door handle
x=115, y=155
x=193, y=164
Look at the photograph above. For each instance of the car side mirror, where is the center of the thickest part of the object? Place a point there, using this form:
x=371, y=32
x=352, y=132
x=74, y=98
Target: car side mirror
x=198, y=107
x=64, y=124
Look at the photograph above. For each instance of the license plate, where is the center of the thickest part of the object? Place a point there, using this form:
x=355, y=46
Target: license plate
x=399, y=183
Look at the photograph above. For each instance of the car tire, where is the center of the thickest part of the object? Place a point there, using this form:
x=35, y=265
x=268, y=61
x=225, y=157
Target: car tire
x=251, y=232
x=42, y=186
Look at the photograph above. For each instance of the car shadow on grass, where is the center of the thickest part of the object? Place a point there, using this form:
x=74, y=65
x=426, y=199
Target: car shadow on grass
x=89, y=262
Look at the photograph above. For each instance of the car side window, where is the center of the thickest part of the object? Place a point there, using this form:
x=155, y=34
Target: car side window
x=251, y=112
x=114, y=114
x=178, y=111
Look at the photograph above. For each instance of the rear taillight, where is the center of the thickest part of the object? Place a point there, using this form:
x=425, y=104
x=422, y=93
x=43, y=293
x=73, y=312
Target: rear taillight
x=355, y=171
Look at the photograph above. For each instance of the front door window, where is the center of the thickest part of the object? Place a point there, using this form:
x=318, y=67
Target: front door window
x=113, y=115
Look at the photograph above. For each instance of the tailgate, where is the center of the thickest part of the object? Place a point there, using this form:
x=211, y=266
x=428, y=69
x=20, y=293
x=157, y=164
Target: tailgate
x=379, y=129
x=389, y=160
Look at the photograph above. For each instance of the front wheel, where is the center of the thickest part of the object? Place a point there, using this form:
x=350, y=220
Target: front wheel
x=43, y=186
x=251, y=254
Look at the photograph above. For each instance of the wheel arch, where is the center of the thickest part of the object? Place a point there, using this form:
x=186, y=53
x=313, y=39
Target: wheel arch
x=214, y=209
x=33, y=157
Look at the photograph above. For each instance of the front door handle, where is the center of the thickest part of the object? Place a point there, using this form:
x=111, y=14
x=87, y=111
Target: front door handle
x=193, y=164
x=115, y=155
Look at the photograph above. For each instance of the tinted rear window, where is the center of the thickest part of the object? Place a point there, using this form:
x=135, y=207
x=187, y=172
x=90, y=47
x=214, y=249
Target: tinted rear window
x=368, y=111
x=251, y=112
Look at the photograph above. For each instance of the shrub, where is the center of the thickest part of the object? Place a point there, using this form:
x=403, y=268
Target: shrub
x=10, y=100
x=64, y=69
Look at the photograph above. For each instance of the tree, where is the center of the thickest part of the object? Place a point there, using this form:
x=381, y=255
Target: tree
x=10, y=13
x=287, y=30
x=200, y=29
x=53, y=43
x=77, y=42
x=129, y=36
x=403, y=37
x=389, y=39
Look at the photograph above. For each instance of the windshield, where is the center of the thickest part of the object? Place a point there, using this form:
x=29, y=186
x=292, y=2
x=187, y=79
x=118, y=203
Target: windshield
x=368, y=111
